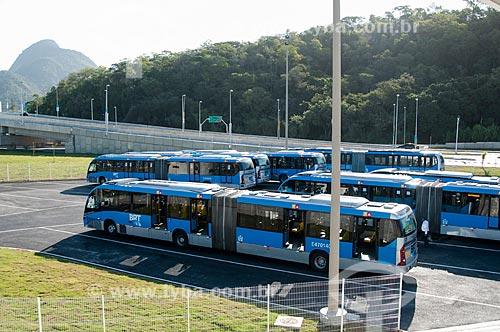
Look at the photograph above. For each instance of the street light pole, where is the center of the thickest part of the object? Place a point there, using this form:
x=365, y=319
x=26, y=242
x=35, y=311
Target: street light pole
x=456, y=138
x=92, y=109
x=183, y=112
x=415, y=139
x=287, y=41
x=397, y=113
x=106, y=113
x=394, y=125
x=404, y=126
x=57, y=103
x=230, y=119
x=199, y=117
x=279, y=129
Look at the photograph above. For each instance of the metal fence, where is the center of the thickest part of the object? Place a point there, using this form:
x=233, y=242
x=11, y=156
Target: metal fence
x=43, y=171
x=371, y=304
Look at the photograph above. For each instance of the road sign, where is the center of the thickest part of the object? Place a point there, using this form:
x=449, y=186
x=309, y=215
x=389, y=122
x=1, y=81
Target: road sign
x=215, y=119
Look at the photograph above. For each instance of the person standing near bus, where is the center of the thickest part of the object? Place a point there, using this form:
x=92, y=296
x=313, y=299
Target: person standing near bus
x=425, y=229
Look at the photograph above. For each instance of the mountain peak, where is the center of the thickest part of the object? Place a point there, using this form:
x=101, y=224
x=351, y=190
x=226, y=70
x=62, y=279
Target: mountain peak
x=44, y=64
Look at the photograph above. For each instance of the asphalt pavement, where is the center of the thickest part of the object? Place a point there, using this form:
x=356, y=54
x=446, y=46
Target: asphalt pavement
x=456, y=282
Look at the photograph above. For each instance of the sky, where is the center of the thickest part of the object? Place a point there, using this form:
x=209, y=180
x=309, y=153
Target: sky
x=108, y=31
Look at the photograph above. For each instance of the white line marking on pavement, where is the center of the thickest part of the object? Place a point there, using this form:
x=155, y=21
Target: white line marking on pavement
x=185, y=254
x=39, y=227
x=461, y=246
x=39, y=210
x=458, y=268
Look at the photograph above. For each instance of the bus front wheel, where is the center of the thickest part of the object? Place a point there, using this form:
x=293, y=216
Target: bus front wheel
x=319, y=261
x=180, y=239
x=110, y=227
x=102, y=179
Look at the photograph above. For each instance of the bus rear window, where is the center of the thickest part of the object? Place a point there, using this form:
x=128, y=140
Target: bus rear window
x=408, y=225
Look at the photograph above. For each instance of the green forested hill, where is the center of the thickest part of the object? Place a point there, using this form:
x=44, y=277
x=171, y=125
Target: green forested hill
x=449, y=60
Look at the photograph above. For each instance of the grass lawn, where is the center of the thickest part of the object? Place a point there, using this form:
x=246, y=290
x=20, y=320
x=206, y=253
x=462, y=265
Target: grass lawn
x=70, y=300
x=32, y=166
x=487, y=171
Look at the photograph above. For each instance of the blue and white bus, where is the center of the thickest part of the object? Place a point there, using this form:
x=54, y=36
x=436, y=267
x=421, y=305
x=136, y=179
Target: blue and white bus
x=289, y=162
x=118, y=166
x=377, y=237
x=237, y=172
x=402, y=159
x=260, y=161
x=453, y=208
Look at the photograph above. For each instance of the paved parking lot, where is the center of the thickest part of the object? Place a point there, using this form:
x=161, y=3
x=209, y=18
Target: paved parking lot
x=457, y=280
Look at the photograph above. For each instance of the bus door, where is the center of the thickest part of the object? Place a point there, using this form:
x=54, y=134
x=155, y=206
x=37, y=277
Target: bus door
x=294, y=229
x=366, y=239
x=199, y=217
x=227, y=170
x=159, y=212
x=128, y=169
x=493, y=215
x=194, y=172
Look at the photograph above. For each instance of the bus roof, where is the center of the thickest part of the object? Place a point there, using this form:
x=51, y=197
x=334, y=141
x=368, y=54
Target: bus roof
x=127, y=156
x=209, y=158
x=353, y=177
x=294, y=153
x=163, y=187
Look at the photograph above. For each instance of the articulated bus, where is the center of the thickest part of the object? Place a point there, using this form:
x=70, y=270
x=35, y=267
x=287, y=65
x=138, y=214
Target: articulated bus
x=368, y=161
x=118, y=166
x=237, y=172
x=377, y=237
x=289, y=162
x=453, y=208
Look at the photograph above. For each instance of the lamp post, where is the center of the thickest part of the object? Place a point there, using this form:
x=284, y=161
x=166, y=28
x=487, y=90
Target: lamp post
x=415, y=139
x=332, y=312
x=106, y=113
x=199, y=117
x=456, y=138
x=92, y=109
x=287, y=42
x=397, y=111
x=404, y=126
x=394, y=125
x=183, y=112
x=57, y=103
x=116, y=119
x=278, y=131
x=230, y=119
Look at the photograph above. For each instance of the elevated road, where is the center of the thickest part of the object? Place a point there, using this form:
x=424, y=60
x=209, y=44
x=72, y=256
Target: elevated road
x=86, y=136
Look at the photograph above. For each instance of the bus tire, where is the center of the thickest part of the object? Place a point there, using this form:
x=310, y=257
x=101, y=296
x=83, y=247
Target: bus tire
x=102, y=180
x=319, y=261
x=283, y=178
x=110, y=227
x=180, y=239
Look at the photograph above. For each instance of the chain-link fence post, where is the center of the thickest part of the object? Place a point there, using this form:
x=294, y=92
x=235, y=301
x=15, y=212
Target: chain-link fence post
x=400, y=299
x=268, y=306
x=39, y=314
x=188, y=311
x=342, y=306
x=103, y=314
